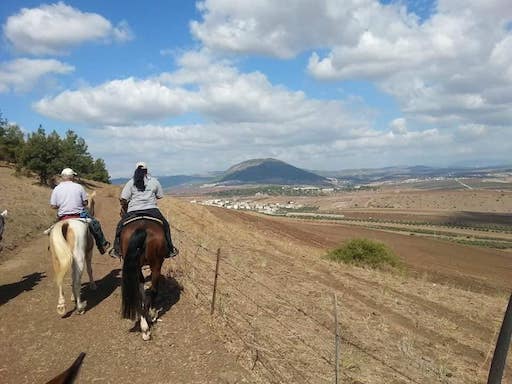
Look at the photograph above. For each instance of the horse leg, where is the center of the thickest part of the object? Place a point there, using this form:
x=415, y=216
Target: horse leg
x=78, y=267
x=144, y=326
x=88, y=261
x=61, y=305
x=155, y=280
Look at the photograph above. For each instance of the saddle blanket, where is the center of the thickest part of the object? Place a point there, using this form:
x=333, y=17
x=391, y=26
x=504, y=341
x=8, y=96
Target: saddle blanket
x=132, y=219
x=47, y=231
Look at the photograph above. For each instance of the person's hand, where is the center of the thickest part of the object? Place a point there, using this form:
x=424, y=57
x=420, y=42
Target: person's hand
x=124, y=207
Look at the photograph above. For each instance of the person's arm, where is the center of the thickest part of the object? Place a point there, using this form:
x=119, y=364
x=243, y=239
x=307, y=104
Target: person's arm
x=124, y=207
x=53, y=200
x=126, y=195
x=159, y=193
x=85, y=197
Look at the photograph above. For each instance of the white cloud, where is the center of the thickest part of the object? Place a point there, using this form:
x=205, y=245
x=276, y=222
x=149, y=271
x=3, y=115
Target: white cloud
x=52, y=29
x=399, y=126
x=21, y=75
x=232, y=116
x=117, y=102
x=215, y=90
x=455, y=66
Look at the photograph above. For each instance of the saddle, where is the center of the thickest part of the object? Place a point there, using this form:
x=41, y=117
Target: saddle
x=68, y=217
x=135, y=218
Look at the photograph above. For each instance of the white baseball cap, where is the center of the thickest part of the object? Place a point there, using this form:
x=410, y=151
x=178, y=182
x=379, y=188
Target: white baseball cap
x=141, y=164
x=68, y=172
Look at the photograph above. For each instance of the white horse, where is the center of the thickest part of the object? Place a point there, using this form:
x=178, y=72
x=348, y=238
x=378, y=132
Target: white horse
x=71, y=245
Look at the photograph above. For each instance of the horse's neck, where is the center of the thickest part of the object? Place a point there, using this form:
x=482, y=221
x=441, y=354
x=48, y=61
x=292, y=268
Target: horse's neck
x=90, y=203
x=90, y=207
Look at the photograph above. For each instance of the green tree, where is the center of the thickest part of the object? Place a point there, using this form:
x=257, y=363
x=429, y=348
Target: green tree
x=12, y=142
x=100, y=172
x=75, y=155
x=41, y=154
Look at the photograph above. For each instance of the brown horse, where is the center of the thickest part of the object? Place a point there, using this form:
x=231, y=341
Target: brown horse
x=142, y=243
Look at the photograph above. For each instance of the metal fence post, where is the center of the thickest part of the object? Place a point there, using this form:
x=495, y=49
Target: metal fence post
x=215, y=282
x=502, y=345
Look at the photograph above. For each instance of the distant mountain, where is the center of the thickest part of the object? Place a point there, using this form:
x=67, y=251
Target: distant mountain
x=172, y=181
x=269, y=171
x=367, y=175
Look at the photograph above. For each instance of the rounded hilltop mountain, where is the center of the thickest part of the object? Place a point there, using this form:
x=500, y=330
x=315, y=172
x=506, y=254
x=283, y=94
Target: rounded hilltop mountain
x=270, y=171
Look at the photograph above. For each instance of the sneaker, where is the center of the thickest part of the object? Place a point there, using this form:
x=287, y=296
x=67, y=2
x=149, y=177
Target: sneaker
x=114, y=254
x=175, y=252
x=104, y=247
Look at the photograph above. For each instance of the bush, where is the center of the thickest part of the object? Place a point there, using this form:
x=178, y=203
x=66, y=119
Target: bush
x=364, y=252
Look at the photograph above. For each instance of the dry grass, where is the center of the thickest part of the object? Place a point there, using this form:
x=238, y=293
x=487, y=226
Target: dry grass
x=274, y=308
x=277, y=303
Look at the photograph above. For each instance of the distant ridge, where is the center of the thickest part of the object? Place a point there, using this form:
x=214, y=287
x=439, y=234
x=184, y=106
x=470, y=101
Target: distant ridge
x=270, y=171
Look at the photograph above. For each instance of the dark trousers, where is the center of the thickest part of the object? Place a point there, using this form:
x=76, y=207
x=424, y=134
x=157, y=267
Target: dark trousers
x=97, y=232
x=153, y=212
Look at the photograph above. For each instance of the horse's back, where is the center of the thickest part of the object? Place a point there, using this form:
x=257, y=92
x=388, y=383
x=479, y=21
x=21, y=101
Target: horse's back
x=155, y=243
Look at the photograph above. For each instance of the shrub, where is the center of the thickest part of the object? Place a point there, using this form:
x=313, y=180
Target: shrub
x=364, y=252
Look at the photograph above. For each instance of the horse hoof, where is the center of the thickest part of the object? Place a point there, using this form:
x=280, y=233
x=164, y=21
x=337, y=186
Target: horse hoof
x=153, y=314
x=61, y=309
x=146, y=336
x=81, y=309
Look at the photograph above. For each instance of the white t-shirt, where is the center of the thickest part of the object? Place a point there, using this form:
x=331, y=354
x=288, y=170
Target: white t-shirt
x=69, y=197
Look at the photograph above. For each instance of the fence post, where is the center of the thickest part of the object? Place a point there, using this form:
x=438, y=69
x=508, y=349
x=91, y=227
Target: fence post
x=215, y=282
x=502, y=345
x=336, y=340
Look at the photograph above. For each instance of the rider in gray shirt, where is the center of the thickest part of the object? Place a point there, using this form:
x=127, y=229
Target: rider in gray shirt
x=146, y=199
x=138, y=198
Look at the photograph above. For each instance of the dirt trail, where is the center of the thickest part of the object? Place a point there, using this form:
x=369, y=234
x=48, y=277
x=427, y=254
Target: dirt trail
x=37, y=344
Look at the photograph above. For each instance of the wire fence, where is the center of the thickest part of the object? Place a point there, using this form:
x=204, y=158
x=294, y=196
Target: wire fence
x=278, y=346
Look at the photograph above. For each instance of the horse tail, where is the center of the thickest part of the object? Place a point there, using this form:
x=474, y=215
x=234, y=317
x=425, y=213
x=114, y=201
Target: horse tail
x=131, y=293
x=62, y=256
x=69, y=375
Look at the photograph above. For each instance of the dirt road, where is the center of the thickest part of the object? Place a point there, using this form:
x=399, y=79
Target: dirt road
x=36, y=344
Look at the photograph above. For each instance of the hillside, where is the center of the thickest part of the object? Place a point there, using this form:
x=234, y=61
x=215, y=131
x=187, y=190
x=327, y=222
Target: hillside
x=270, y=171
x=273, y=320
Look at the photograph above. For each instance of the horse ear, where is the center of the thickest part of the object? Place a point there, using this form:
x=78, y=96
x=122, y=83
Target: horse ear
x=4, y=213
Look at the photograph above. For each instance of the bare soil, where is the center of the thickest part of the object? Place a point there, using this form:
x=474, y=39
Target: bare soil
x=273, y=319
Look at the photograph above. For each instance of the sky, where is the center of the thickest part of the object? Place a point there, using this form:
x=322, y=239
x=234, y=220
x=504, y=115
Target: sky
x=193, y=87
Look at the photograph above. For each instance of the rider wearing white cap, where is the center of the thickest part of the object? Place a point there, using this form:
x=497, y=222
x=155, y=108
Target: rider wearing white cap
x=70, y=200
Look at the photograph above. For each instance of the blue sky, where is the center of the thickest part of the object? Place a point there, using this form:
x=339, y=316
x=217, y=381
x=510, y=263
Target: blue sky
x=191, y=87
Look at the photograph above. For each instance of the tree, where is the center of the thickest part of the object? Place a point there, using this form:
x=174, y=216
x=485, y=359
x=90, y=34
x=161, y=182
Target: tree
x=100, y=172
x=75, y=155
x=41, y=154
x=11, y=142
